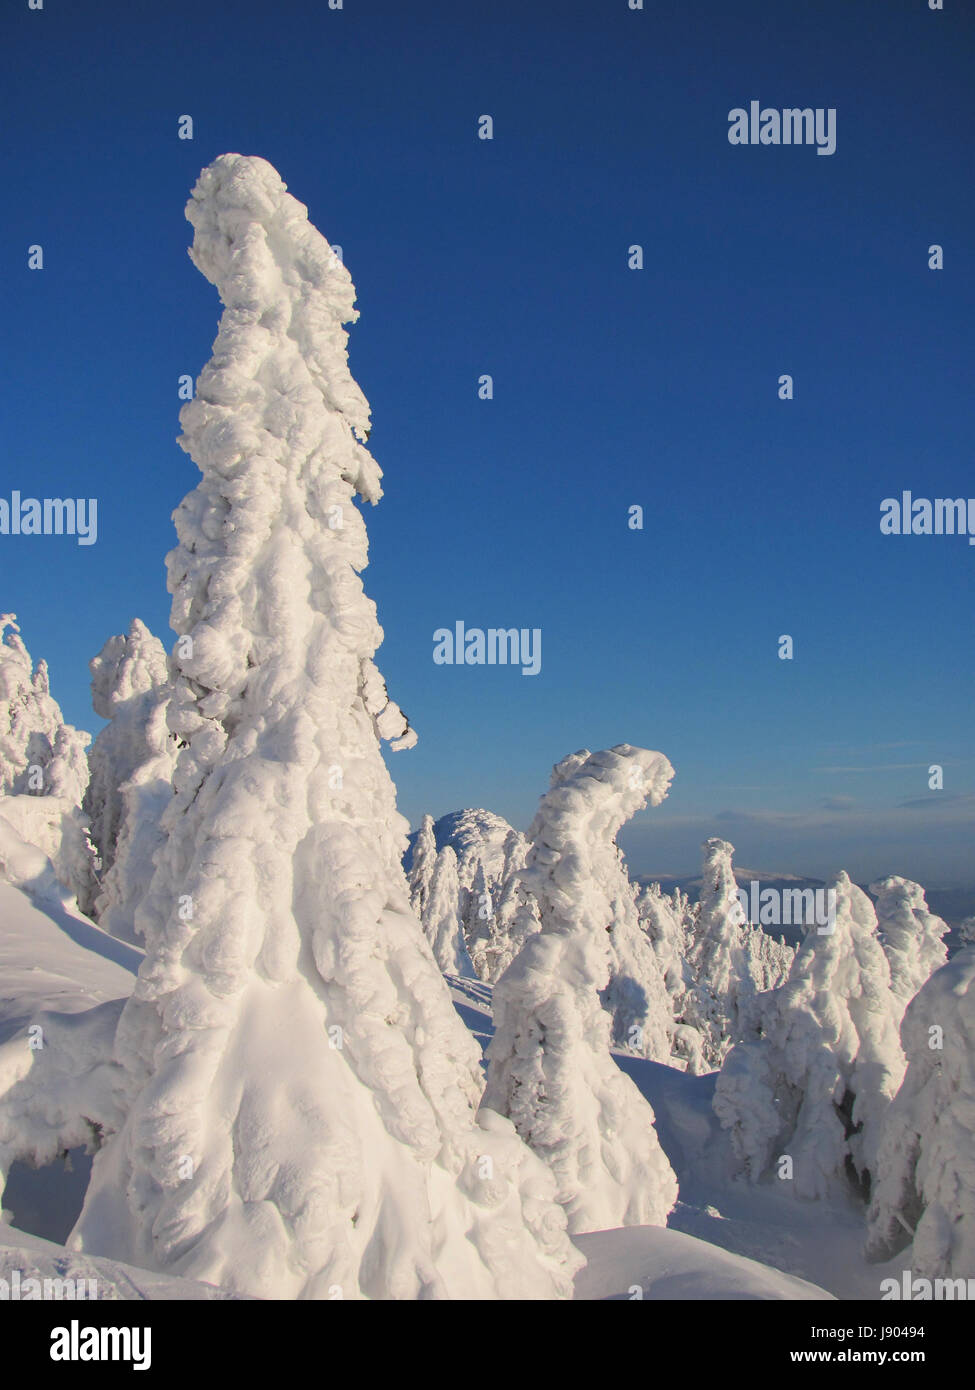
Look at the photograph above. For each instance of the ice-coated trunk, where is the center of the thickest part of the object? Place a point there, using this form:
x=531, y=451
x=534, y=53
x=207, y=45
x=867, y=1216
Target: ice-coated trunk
x=300, y=1093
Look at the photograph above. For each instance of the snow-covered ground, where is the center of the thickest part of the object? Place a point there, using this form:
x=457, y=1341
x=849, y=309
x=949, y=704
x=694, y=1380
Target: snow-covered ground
x=54, y=961
x=776, y=1238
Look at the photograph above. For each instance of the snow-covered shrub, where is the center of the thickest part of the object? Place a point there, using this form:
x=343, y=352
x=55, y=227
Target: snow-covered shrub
x=925, y=1188
x=299, y=1092
x=549, y=1064
x=821, y=1060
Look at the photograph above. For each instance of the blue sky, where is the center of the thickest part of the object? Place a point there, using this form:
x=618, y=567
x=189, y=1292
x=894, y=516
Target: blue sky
x=613, y=387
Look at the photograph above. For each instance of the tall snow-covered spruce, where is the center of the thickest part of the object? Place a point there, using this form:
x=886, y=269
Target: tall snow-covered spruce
x=550, y=1067
x=300, y=1095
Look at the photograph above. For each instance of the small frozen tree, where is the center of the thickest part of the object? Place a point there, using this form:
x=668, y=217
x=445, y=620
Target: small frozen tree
x=662, y=918
x=925, y=1188
x=822, y=1060
x=514, y=854
x=717, y=958
x=910, y=935
x=40, y=755
x=132, y=763
x=442, y=924
x=515, y=919
x=636, y=995
x=43, y=767
x=730, y=959
x=549, y=1065
x=480, y=916
x=513, y=915
x=299, y=1093
x=421, y=868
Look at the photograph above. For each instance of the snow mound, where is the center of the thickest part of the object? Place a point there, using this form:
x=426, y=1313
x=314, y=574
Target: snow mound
x=70, y=1275
x=646, y=1262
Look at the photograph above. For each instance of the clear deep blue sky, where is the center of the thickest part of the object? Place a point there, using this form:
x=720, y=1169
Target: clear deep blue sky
x=612, y=386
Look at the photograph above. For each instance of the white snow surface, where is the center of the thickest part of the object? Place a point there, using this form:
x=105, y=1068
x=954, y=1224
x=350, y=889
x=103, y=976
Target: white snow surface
x=647, y=1262
x=104, y=1280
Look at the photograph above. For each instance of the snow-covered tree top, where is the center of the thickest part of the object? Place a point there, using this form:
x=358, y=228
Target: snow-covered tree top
x=125, y=667
x=39, y=752
x=591, y=795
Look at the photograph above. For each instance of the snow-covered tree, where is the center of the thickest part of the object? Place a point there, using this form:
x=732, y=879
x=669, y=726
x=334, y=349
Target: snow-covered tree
x=43, y=766
x=665, y=931
x=636, y=995
x=494, y=943
x=731, y=960
x=663, y=918
x=514, y=920
x=910, y=935
x=925, y=1188
x=549, y=1064
x=514, y=852
x=442, y=923
x=421, y=869
x=299, y=1092
x=822, y=1059
x=39, y=753
x=480, y=915
x=132, y=763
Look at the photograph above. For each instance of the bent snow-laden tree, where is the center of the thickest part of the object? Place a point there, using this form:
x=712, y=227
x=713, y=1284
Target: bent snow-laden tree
x=925, y=1189
x=299, y=1094
x=821, y=1060
x=910, y=934
x=550, y=1068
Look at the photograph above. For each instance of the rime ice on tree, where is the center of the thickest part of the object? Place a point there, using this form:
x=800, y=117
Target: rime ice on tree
x=550, y=1068
x=300, y=1093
